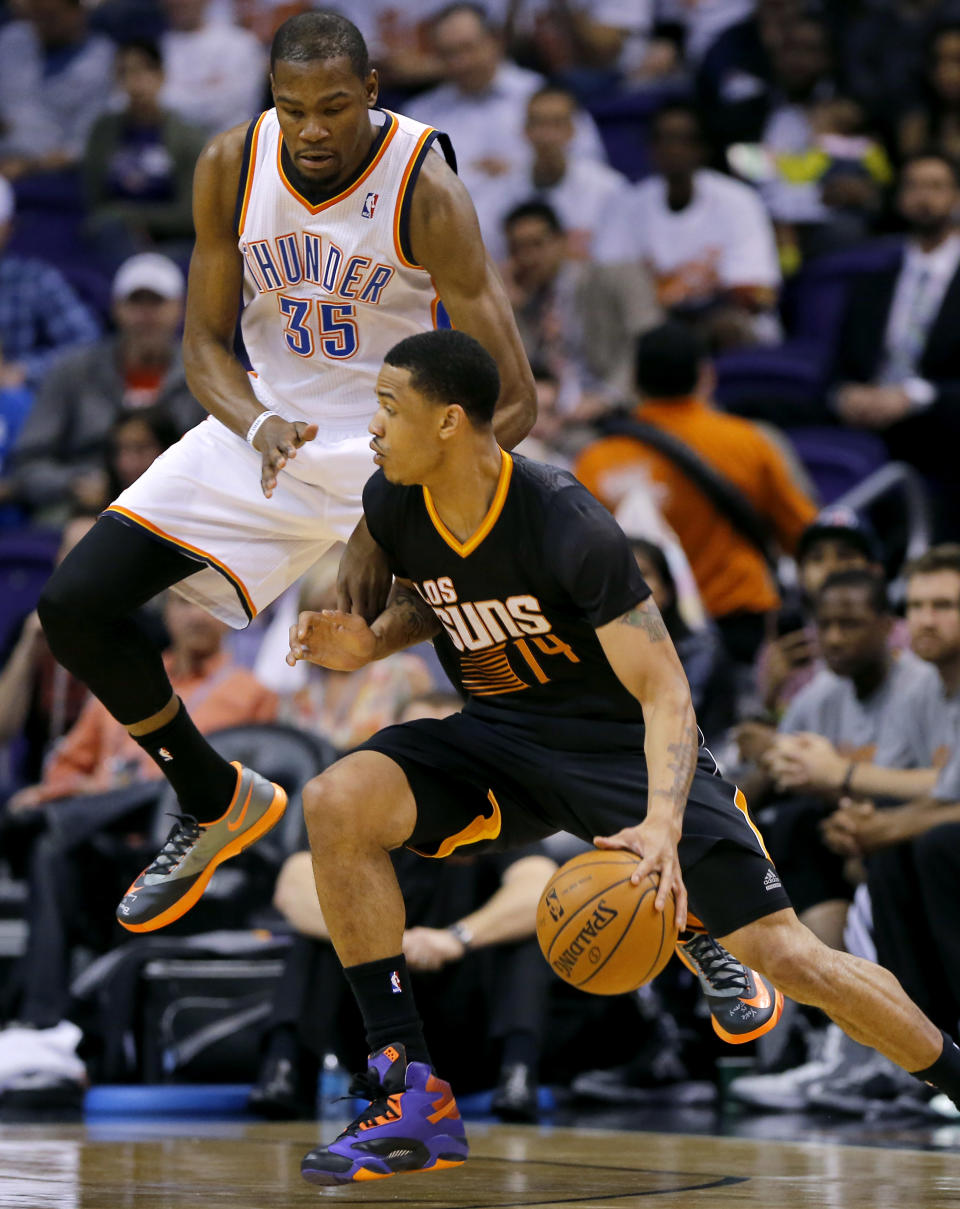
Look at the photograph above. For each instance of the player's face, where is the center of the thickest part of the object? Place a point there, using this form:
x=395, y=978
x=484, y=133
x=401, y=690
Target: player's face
x=851, y=635
x=322, y=107
x=933, y=615
x=405, y=428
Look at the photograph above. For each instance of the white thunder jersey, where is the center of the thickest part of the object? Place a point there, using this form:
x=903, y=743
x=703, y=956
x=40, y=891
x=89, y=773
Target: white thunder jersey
x=328, y=289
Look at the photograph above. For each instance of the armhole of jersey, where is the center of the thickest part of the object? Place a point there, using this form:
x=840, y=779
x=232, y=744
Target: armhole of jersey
x=246, y=174
x=401, y=231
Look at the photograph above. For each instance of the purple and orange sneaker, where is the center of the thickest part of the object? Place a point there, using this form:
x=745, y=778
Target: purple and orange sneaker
x=412, y=1124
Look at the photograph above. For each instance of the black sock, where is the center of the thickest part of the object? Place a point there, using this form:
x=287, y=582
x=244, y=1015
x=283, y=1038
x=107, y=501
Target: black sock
x=945, y=1072
x=520, y=1047
x=385, y=997
x=204, y=782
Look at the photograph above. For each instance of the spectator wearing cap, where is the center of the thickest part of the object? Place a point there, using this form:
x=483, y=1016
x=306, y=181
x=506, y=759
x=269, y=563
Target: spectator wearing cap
x=839, y=539
x=52, y=86
x=65, y=437
x=40, y=315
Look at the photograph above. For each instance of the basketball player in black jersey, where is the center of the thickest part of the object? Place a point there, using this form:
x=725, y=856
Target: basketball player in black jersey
x=578, y=718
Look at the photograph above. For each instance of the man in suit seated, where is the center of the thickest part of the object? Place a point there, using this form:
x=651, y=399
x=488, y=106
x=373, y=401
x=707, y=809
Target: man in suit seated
x=898, y=359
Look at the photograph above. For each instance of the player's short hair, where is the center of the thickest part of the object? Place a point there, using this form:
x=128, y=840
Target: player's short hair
x=668, y=360
x=143, y=46
x=317, y=35
x=873, y=585
x=450, y=367
x=534, y=209
x=945, y=557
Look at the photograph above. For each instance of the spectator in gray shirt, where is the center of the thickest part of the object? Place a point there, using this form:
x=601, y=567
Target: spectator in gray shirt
x=912, y=849
x=62, y=444
x=53, y=74
x=850, y=707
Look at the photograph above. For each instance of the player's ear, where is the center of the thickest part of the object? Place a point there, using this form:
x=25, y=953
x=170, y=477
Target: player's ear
x=372, y=87
x=453, y=420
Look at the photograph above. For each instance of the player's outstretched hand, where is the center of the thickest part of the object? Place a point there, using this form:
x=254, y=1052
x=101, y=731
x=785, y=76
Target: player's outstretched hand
x=278, y=440
x=655, y=842
x=341, y=641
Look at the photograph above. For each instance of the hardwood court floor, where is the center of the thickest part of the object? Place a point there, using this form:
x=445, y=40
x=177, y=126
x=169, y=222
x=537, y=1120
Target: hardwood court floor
x=183, y=1165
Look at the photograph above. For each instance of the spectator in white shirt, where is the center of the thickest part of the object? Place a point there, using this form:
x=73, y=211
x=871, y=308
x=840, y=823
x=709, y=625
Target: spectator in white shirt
x=482, y=105
x=580, y=191
x=707, y=239
x=54, y=84
x=215, y=74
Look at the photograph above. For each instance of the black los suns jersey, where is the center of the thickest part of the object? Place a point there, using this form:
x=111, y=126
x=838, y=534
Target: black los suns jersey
x=519, y=602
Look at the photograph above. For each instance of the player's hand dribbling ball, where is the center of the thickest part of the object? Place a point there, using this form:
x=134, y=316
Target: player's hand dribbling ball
x=599, y=932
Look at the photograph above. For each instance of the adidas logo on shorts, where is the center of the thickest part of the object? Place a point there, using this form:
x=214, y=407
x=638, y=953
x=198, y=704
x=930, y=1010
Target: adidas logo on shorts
x=771, y=881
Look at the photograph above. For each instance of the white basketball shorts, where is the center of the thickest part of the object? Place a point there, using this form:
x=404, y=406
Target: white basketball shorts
x=203, y=497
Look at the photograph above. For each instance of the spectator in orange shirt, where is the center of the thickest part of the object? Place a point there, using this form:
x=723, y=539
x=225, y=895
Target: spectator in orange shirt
x=675, y=380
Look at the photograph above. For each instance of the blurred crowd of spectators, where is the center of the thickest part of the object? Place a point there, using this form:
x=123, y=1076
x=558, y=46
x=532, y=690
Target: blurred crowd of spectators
x=728, y=229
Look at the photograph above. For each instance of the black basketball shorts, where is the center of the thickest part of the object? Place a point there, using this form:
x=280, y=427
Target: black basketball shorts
x=486, y=784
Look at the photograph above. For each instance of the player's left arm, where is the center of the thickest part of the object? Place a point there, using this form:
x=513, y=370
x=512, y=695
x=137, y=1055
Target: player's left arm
x=645, y=662
x=345, y=642
x=445, y=239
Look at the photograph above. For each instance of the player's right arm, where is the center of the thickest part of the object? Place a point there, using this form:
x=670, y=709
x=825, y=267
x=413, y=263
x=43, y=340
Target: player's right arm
x=344, y=641
x=215, y=376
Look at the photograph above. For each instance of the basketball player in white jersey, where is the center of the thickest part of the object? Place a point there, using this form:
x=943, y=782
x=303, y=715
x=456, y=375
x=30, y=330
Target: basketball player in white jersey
x=333, y=229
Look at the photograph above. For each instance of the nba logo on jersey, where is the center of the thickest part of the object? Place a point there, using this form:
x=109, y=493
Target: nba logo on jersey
x=370, y=204
x=395, y=982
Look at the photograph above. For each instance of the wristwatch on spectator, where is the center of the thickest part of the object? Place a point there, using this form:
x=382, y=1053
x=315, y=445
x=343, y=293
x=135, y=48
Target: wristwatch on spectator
x=462, y=933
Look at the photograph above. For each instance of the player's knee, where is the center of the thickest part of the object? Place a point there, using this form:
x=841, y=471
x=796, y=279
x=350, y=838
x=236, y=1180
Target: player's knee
x=57, y=611
x=329, y=813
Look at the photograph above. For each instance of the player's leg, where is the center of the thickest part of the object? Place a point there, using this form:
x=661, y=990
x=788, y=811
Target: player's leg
x=87, y=613
x=864, y=999
x=357, y=811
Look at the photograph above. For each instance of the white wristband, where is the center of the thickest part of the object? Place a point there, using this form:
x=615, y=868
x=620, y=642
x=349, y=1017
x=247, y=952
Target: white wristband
x=258, y=424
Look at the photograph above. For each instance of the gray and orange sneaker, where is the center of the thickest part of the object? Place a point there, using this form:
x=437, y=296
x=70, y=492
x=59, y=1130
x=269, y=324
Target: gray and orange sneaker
x=743, y=1005
x=176, y=878
x=412, y=1124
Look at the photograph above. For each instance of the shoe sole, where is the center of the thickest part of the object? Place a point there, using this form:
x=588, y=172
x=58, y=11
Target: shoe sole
x=268, y=820
x=364, y=1174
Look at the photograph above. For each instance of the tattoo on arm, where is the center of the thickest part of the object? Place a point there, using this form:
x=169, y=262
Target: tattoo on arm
x=417, y=620
x=646, y=616
x=682, y=763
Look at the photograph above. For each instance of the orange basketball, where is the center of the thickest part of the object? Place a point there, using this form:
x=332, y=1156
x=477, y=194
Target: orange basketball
x=599, y=932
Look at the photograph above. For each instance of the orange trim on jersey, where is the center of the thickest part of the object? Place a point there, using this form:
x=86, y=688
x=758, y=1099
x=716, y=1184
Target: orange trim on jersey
x=493, y=513
x=483, y=827
x=401, y=194
x=251, y=168
x=208, y=558
x=394, y=127
x=741, y=804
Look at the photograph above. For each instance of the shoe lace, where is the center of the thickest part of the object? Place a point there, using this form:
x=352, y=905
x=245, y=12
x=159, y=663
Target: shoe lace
x=718, y=967
x=183, y=835
x=368, y=1086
